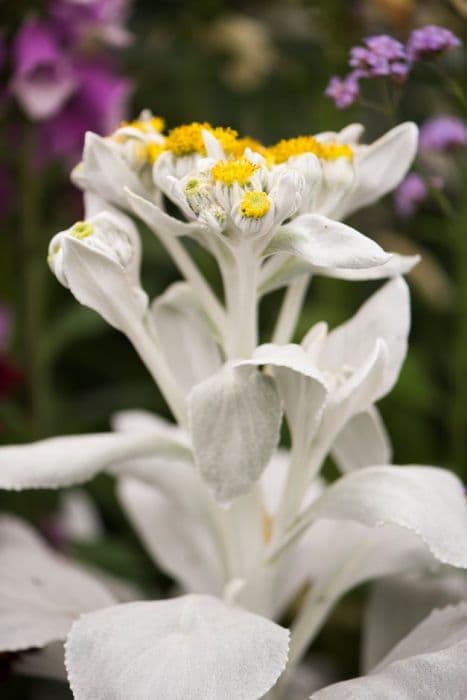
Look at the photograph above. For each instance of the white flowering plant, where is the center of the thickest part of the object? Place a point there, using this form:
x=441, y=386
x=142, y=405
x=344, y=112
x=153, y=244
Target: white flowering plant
x=250, y=531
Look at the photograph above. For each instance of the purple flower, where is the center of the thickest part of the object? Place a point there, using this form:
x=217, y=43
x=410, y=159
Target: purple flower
x=99, y=105
x=409, y=195
x=104, y=19
x=42, y=79
x=443, y=133
x=430, y=40
x=344, y=91
x=381, y=55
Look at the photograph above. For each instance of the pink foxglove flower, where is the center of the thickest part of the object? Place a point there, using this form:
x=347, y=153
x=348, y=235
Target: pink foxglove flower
x=43, y=78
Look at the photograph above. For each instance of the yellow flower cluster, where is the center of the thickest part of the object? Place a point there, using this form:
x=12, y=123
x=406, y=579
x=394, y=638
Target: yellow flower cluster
x=187, y=139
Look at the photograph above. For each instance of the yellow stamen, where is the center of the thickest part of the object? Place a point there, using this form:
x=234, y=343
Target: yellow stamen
x=147, y=126
x=153, y=151
x=255, y=204
x=230, y=171
x=287, y=148
x=237, y=148
x=82, y=229
x=188, y=138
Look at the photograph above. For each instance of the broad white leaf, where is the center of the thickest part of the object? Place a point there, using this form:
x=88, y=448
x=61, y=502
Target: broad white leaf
x=324, y=242
x=41, y=594
x=380, y=167
x=302, y=387
x=185, y=648
x=381, y=520
x=176, y=524
x=235, y=418
x=185, y=336
x=63, y=461
x=362, y=441
x=104, y=171
x=386, y=316
x=428, y=664
x=399, y=603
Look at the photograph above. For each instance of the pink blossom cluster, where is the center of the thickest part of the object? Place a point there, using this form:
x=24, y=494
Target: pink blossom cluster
x=384, y=56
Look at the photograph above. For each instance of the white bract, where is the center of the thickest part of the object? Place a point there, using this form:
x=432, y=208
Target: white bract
x=240, y=524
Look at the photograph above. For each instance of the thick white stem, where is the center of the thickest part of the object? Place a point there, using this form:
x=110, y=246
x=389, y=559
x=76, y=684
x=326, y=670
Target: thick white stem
x=160, y=371
x=290, y=310
x=240, y=278
x=187, y=267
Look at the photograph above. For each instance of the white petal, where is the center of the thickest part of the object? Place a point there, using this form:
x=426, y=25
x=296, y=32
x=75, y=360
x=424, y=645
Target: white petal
x=158, y=220
x=41, y=594
x=185, y=336
x=429, y=664
x=73, y=459
x=179, y=535
x=183, y=649
x=386, y=315
x=362, y=441
x=235, y=418
x=104, y=171
x=326, y=243
x=380, y=167
x=397, y=604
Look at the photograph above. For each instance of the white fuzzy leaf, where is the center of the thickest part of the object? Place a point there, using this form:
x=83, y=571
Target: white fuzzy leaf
x=41, y=594
x=429, y=664
x=361, y=442
x=324, y=242
x=183, y=649
x=235, y=418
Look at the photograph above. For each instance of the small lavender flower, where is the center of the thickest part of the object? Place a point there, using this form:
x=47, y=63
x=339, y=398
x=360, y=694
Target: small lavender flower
x=430, y=40
x=344, y=91
x=443, y=133
x=43, y=78
x=382, y=55
x=409, y=195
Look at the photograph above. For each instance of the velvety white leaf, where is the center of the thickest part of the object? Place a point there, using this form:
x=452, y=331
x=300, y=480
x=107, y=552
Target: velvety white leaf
x=156, y=219
x=362, y=441
x=73, y=459
x=386, y=315
x=185, y=648
x=399, y=603
x=380, y=512
x=380, y=167
x=292, y=268
x=185, y=336
x=302, y=387
x=429, y=664
x=101, y=283
x=235, y=418
x=41, y=594
x=104, y=171
x=324, y=242
x=176, y=524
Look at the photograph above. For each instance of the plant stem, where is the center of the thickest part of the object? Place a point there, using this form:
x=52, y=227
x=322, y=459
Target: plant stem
x=290, y=310
x=240, y=284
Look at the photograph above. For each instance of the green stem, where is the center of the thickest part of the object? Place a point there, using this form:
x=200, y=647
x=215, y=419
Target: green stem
x=240, y=278
x=31, y=280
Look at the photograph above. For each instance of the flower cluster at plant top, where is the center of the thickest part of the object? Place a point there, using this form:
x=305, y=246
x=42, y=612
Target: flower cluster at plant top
x=384, y=56
x=63, y=73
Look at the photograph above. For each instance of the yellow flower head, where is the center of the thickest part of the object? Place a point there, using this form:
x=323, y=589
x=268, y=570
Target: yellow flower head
x=81, y=230
x=231, y=171
x=255, y=204
x=188, y=138
x=147, y=126
x=287, y=148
